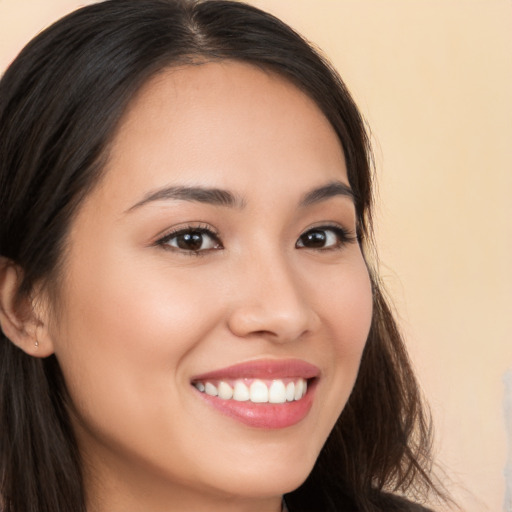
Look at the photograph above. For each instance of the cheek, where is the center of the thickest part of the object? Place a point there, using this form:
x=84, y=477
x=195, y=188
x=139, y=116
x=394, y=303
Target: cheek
x=124, y=332
x=354, y=324
x=123, y=345
x=357, y=307
x=347, y=307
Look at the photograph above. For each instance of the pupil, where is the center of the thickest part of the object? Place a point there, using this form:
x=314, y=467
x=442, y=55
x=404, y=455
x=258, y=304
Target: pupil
x=314, y=239
x=190, y=241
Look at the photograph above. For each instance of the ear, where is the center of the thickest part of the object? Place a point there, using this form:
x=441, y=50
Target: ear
x=23, y=320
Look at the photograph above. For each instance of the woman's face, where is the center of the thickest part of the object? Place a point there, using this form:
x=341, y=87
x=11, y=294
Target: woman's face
x=217, y=256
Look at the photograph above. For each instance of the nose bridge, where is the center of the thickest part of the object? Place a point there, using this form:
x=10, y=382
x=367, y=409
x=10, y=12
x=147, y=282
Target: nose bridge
x=270, y=299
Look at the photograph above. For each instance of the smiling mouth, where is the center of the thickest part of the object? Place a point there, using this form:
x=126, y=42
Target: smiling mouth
x=257, y=391
x=269, y=394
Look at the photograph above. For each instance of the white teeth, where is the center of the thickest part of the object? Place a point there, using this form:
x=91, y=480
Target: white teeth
x=225, y=391
x=210, y=389
x=290, y=391
x=241, y=392
x=298, y=389
x=259, y=392
x=277, y=392
x=274, y=392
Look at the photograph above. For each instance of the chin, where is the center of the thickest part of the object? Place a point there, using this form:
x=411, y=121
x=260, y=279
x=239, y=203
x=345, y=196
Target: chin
x=267, y=485
x=275, y=476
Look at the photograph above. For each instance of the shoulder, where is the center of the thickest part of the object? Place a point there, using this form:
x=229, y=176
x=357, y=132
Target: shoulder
x=384, y=503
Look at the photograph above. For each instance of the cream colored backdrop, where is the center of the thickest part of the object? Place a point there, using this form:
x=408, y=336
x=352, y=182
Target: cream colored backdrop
x=434, y=80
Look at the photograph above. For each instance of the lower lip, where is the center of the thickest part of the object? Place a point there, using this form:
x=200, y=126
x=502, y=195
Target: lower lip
x=265, y=415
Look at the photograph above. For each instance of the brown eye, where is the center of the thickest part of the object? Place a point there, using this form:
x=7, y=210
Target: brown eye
x=313, y=239
x=192, y=240
x=322, y=238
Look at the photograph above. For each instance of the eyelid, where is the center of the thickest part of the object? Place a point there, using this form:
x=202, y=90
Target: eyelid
x=331, y=225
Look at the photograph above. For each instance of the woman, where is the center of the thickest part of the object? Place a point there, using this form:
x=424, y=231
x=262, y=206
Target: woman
x=191, y=317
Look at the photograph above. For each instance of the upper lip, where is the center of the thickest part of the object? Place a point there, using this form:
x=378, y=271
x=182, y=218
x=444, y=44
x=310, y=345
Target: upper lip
x=263, y=369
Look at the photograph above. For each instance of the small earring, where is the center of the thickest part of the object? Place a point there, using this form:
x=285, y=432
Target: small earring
x=36, y=343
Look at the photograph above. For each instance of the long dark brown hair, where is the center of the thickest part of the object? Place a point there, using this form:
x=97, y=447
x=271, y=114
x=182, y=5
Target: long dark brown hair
x=60, y=103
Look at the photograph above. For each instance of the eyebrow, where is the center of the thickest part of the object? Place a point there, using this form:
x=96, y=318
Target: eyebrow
x=333, y=189
x=214, y=196
x=220, y=197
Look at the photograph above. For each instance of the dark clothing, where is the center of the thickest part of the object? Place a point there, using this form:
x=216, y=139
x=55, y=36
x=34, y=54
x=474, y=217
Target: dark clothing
x=388, y=503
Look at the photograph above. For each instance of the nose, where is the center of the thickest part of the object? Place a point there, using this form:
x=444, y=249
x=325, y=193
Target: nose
x=271, y=301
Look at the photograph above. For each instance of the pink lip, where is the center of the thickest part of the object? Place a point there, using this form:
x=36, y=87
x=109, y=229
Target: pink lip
x=263, y=369
x=265, y=415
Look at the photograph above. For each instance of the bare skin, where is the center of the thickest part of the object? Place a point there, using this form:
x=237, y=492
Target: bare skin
x=270, y=275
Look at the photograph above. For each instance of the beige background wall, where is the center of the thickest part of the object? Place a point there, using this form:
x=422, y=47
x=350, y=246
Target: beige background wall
x=434, y=80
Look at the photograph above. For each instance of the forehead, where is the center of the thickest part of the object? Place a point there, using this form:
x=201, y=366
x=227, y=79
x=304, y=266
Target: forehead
x=221, y=124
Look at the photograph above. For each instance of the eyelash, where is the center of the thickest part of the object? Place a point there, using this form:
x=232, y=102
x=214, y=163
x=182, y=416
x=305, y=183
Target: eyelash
x=187, y=230
x=344, y=237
